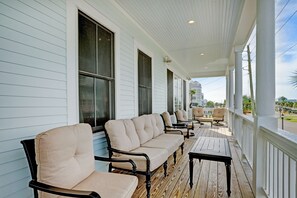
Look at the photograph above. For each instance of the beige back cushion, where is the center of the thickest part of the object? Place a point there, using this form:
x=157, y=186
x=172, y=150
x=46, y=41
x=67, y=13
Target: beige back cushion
x=180, y=115
x=122, y=134
x=158, y=124
x=198, y=112
x=144, y=128
x=218, y=112
x=167, y=119
x=64, y=156
x=185, y=115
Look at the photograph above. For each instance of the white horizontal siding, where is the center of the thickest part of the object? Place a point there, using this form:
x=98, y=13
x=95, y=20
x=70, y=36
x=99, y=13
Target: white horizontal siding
x=33, y=81
x=160, y=84
x=127, y=100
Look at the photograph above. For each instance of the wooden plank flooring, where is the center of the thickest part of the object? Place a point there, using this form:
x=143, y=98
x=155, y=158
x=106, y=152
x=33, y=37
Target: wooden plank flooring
x=209, y=177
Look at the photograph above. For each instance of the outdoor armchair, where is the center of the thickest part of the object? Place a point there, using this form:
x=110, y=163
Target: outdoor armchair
x=198, y=112
x=182, y=117
x=218, y=115
x=62, y=163
x=170, y=126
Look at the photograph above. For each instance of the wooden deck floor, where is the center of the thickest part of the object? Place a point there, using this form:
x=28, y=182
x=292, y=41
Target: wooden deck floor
x=209, y=177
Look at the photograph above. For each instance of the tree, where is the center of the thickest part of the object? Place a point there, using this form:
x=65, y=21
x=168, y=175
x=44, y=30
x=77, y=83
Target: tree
x=210, y=104
x=246, y=104
x=282, y=99
x=192, y=92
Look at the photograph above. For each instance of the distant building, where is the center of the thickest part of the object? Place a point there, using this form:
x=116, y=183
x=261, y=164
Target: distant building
x=198, y=98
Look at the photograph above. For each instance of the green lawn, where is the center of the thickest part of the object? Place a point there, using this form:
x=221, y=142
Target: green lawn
x=291, y=118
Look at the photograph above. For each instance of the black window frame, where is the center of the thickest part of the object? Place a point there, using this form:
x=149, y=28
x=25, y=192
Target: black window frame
x=144, y=83
x=101, y=76
x=170, y=92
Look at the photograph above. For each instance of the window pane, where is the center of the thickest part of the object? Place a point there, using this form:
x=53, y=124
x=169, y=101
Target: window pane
x=102, y=102
x=148, y=71
x=105, y=53
x=141, y=71
x=144, y=84
x=141, y=102
x=86, y=100
x=87, y=45
x=149, y=101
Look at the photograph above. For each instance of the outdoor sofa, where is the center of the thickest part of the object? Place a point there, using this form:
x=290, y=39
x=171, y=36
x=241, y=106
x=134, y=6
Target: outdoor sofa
x=142, y=139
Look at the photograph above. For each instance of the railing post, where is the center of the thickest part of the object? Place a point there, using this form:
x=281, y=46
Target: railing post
x=265, y=89
x=231, y=99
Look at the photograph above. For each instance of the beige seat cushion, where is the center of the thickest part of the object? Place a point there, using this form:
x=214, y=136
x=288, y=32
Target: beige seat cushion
x=157, y=157
x=109, y=185
x=144, y=128
x=170, y=142
x=64, y=156
x=122, y=134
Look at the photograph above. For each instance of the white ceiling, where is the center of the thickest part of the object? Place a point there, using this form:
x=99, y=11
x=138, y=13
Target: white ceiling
x=219, y=26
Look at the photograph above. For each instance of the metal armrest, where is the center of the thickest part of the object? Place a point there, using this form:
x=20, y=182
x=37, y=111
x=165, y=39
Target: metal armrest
x=62, y=191
x=180, y=125
x=105, y=159
x=148, y=161
x=174, y=131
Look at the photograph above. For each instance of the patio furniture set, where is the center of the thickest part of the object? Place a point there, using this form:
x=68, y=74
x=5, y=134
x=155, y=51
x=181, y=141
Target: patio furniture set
x=62, y=160
x=217, y=115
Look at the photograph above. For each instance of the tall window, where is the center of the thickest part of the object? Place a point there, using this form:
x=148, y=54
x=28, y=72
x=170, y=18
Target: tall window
x=170, y=91
x=144, y=83
x=96, y=73
x=185, y=94
x=178, y=93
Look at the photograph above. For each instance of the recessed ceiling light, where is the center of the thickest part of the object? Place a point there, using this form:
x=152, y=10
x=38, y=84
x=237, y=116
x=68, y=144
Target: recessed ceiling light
x=191, y=22
x=202, y=54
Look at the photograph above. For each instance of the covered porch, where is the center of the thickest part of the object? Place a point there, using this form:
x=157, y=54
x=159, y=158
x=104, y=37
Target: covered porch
x=40, y=85
x=209, y=176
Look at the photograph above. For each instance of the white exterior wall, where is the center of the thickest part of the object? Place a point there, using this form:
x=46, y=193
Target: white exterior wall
x=33, y=79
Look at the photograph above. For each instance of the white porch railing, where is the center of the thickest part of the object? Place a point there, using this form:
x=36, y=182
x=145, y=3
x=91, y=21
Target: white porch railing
x=280, y=155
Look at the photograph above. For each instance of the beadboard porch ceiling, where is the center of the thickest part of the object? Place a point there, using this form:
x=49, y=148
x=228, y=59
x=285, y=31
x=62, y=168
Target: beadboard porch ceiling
x=219, y=26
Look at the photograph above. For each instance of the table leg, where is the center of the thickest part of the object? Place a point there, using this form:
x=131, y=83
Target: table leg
x=191, y=171
x=228, y=173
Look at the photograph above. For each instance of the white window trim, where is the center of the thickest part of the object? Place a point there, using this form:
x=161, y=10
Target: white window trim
x=72, y=54
x=138, y=46
x=174, y=91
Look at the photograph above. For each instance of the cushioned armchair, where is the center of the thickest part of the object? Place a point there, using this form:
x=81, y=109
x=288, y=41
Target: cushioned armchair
x=218, y=115
x=170, y=126
x=182, y=117
x=62, y=163
x=198, y=112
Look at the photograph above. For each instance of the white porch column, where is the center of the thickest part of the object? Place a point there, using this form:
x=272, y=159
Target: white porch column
x=227, y=99
x=238, y=79
x=231, y=89
x=231, y=99
x=265, y=88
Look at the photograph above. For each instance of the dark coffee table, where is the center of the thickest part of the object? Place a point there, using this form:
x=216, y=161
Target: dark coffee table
x=215, y=149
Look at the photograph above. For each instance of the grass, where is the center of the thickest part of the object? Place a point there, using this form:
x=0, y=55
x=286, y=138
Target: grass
x=291, y=118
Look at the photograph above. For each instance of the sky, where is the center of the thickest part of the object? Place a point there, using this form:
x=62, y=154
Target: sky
x=214, y=89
